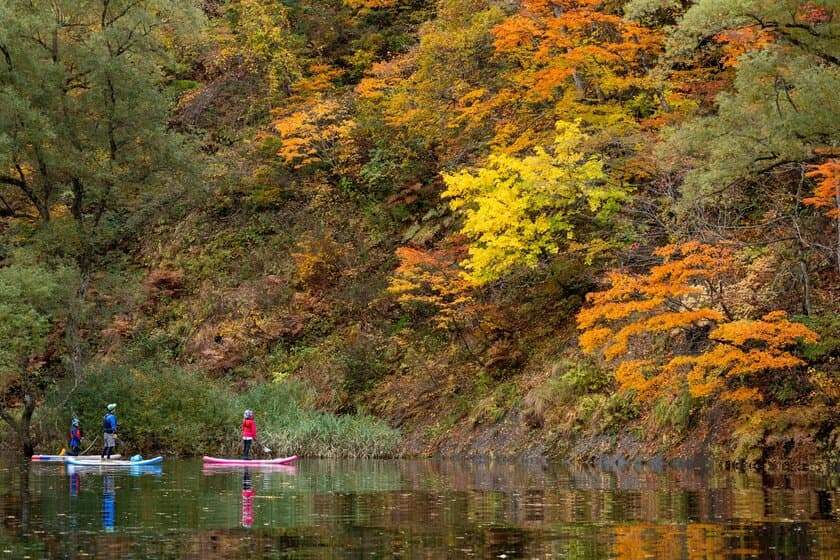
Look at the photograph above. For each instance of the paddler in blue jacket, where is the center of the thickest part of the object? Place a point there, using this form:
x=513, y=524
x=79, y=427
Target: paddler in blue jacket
x=109, y=426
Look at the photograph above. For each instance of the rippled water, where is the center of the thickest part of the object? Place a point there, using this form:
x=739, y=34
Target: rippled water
x=412, y=509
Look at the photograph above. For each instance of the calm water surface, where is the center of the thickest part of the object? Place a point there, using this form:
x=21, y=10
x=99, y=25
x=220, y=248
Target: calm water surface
x=411, y=509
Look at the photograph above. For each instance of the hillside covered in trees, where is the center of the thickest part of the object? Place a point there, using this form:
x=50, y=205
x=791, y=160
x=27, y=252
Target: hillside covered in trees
x=554, y=228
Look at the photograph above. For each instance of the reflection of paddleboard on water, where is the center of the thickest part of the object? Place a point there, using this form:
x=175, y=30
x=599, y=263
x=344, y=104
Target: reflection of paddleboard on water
x=217, y=468
x=247, y=500
x=136, y=470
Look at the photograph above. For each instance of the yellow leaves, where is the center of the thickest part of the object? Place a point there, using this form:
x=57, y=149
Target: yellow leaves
x=256, y=33
x=515, y=209
x=318, y=262
x=370, y=4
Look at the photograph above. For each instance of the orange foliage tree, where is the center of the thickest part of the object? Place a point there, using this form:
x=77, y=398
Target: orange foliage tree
x=827, y=195
x=317, y=132
x=671, y=329
x=315, y=127
x=577, y=43
x=432, y=278
x=575, y=59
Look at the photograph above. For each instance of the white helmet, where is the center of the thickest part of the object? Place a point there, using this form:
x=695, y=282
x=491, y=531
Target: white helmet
x=249, y=413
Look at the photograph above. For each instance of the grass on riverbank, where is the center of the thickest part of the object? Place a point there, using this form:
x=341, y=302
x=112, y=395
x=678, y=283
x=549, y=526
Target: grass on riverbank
x=178, y=411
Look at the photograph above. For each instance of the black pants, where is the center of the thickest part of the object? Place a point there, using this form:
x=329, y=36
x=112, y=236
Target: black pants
x=74, y=450
x=246, y=448
x=106, y=451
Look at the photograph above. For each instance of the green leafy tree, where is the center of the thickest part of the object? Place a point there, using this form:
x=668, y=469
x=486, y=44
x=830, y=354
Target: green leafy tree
x=517, y=211
x=84, y=133
x=261, y=36
x=763, y=75
x=785, y=60
x=30, y=299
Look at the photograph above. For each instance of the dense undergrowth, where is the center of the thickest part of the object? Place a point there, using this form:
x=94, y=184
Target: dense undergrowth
x=173, y=410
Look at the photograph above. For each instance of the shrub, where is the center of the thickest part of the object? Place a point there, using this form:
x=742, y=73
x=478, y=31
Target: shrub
x=170, y=410
x=179, y=411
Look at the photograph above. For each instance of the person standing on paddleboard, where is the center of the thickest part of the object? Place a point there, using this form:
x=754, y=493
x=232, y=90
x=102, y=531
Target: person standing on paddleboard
x=109, y=426
x=76, y=437
x=249, y=433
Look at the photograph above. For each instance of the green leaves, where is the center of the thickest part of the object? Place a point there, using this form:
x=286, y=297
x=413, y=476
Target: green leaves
x=780, y=104
x=29, y=300
x=85, y=115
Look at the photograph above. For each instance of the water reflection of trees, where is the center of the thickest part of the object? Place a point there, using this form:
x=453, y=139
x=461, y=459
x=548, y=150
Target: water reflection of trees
x=447, y=509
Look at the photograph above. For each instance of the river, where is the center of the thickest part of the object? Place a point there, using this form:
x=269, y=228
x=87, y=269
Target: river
x=345, y=509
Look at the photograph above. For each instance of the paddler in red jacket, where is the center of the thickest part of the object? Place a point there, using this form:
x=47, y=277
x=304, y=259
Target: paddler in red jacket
x=249, y=433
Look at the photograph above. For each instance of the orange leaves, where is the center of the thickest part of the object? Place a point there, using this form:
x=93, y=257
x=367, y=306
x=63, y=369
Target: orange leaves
x=321, y=78
x=670, y=327
x=427, y=277
x=741, y=40
x=773, y=329
x=564, y=43
x=813, y=14
x=827, y=193
x=316, y=132
x=675, y=284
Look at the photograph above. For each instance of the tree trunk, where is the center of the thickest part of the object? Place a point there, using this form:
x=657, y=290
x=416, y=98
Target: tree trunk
x=806, y=280
x=73, y=328
x=24, y=430
x=22, y=427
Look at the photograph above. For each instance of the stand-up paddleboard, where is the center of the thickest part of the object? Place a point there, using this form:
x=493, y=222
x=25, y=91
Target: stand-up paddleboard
x=246, y=462
x=104, y=467
x=112, y=462
x=216, y=468
x=63, y=458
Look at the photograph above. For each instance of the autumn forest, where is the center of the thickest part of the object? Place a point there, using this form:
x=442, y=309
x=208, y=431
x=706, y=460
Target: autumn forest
x=586, y=229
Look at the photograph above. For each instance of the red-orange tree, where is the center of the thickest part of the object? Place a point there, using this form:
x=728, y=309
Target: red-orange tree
x=827, y=195
x=671, y=328
x=432, y=278
x=570, y=59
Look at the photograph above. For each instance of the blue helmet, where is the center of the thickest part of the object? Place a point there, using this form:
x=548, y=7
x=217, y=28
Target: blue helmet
x=75, y=421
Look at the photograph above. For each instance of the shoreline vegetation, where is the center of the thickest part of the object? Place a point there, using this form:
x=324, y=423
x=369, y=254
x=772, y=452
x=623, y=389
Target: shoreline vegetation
x=596, y=232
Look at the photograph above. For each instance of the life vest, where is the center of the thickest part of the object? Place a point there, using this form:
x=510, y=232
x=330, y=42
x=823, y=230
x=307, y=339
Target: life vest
x=109, y=423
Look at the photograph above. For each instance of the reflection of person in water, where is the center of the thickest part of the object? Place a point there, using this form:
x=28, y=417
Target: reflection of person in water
x=247, y=500
x=75, y=482
x=108, y=502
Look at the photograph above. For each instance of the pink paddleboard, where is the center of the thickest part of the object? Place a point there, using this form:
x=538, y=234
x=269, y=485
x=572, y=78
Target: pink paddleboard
x=280, y=461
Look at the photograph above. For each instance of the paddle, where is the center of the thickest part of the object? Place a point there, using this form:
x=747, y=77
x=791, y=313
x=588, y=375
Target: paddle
x=264, y=448
x=88, y=447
